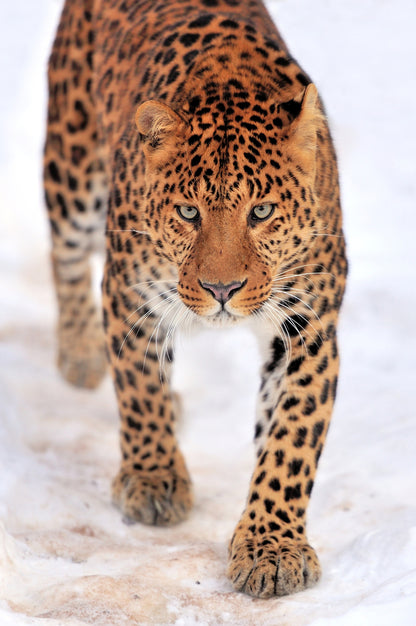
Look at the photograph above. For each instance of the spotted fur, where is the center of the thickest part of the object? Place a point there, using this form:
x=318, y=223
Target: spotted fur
x=187, y=132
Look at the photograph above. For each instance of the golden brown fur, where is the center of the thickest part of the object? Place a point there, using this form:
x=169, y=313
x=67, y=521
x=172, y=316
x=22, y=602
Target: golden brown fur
x=193, y=134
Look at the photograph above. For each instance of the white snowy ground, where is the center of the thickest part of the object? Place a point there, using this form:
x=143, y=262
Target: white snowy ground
x=65, y=555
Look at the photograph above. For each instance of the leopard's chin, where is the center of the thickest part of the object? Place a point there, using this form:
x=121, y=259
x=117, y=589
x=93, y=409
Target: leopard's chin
x=222, y=319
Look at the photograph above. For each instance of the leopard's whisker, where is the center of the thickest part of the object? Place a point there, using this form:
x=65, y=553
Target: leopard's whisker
x=127, y=230
x=133, y=233
x=291, y=268
x=279, y=316
x=156, y=329
x=137, y=325
x=176, y=321
x=292, y=323
x=149, y=283
x=172, y=328
x=283, y=304
x=318, y=234
x=300, y=301
x=295, y=325
x=284, y=277
x=146, y=303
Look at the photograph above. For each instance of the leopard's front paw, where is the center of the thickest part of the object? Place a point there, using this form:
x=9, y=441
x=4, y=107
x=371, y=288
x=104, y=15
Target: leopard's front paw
x=82, y=360
x=271, y=566
x=160, y=498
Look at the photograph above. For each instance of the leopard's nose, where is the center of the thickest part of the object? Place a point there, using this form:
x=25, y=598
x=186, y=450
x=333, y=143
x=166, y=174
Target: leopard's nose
x=222, y=293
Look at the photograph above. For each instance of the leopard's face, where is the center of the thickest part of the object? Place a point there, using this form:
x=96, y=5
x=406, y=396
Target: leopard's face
x=230, y=202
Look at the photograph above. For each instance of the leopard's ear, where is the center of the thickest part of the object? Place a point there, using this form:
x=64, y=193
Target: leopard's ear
x=159, y=125
x=305, y=127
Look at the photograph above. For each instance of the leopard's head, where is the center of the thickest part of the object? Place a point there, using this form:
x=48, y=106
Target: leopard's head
x=230, y=195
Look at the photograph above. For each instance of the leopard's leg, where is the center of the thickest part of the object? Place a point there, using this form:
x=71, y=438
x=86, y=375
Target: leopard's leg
x=153, y=484
x=76, y=197
x=269, y=551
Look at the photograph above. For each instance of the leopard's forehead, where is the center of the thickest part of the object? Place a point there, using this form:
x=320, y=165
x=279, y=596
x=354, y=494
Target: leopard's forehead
x=237, y=99
x=234, y=145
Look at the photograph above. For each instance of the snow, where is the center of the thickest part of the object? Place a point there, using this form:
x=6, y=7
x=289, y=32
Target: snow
x=66, y=557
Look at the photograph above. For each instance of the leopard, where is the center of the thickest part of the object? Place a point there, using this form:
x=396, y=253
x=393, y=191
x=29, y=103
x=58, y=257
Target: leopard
x=185, y=142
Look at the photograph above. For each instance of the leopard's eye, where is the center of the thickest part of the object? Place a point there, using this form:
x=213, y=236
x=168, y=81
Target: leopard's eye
x=262, y=212
x=188, y=213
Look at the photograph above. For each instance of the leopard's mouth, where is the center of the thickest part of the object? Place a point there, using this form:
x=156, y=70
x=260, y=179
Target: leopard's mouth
x=225, y=315
x=224, y=307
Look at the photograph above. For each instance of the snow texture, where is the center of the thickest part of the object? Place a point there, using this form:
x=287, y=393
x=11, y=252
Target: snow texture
x=66, y=557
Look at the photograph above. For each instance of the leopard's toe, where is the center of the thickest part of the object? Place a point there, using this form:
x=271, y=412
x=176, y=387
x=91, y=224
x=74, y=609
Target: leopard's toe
x=271, y=567
x=161, y=498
